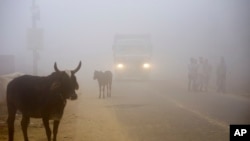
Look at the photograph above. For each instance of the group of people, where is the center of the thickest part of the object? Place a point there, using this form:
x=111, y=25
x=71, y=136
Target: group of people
x=199, y=74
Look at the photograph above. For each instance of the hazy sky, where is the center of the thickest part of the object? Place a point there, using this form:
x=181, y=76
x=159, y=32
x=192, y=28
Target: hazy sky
x=84, y=30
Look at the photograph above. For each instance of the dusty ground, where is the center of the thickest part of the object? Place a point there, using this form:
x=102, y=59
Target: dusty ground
x=140, y=112
x=86, y=119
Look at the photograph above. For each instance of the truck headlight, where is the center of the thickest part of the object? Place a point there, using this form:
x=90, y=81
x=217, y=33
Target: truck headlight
x=120, y=66
x=146, y=65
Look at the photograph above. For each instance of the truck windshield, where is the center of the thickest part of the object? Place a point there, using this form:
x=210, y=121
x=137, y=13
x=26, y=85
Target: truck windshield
x=131, y=47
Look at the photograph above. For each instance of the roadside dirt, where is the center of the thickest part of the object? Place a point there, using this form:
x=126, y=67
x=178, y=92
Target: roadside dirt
x=86, y=119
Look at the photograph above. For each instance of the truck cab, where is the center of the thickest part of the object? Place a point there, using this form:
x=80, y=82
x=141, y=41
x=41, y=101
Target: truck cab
x=132, y=56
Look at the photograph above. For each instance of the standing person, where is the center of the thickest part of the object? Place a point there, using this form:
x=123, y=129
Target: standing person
x=221, y=76
x=192, y=74
x=200, y=79
x=207, y=74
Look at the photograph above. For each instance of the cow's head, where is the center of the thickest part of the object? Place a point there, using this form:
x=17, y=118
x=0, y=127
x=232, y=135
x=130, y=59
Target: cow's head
x=66, y=82
x=96, y=74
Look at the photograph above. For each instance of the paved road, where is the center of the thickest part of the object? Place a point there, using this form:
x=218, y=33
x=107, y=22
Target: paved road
x=152, y=112
x=144, y=111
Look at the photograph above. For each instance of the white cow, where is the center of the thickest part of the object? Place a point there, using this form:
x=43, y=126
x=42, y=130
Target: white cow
x=4, y=81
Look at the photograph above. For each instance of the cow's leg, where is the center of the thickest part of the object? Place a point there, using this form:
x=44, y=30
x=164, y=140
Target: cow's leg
x=24, y=123
x=55, y=129
x=103, y=91
x=110, y=85
x=47, y=129
x=107, y=90
x=11, y=119
x=100, y=89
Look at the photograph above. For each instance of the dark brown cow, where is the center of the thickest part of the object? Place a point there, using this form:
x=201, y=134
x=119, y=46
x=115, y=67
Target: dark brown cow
x=40, y=97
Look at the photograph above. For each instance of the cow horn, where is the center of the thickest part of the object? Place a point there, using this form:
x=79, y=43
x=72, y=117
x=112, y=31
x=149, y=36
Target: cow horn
x=55, y=67
x=78, y=67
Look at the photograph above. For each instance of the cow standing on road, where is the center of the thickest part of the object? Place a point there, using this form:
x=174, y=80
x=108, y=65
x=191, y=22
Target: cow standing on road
x=40, y=97
x=104, y=80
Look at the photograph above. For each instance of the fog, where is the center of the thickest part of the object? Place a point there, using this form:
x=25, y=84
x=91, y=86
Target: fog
x=84, y=30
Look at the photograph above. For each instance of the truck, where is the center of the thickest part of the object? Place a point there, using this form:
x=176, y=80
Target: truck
x=132, y=56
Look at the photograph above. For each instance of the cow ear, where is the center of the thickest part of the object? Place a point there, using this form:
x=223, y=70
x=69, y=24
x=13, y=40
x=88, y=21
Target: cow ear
x=55, y=85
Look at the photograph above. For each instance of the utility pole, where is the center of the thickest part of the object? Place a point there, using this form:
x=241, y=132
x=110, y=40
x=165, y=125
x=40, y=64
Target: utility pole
x=35, y=35
x=35, y=52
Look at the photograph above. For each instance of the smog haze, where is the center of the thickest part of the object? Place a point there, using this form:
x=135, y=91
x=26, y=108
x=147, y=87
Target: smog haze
x=85, y=30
